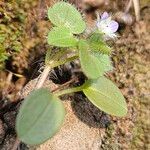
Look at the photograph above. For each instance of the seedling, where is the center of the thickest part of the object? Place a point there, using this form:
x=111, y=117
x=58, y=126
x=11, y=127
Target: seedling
x=42, y=112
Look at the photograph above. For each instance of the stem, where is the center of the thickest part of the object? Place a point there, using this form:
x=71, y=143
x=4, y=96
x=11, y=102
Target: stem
x=63, y=85
x=61, y=62
x=67, y=91
x=128, y=6
x=136, y=4
x=43, y=77
x=68, y=59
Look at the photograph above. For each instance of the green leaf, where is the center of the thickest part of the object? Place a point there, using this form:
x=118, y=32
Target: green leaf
x=97, y=44
x=61, y=37
x=64, y=14
x=40, y=117
x=106, y=96
x=89, y=63
x=93, y=65
x=104, y=61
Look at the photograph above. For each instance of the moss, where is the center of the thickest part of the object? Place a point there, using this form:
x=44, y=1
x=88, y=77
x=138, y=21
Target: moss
x=12, y=27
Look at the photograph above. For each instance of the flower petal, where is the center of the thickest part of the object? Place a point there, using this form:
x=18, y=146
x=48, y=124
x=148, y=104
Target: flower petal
x=104, y=15
x=113, y=25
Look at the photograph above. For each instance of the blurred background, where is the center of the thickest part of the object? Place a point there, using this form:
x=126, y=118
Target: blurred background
x=23, y=29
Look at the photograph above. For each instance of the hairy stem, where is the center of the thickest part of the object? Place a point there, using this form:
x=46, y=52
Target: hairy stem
x=61, y=62
x=67, y=91
x=63, y=85
x=43, y=77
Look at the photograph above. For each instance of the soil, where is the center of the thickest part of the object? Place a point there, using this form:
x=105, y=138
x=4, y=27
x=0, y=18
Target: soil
x=85, y=126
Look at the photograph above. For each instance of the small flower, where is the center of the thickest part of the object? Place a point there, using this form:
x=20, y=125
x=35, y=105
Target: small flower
x=106, y=25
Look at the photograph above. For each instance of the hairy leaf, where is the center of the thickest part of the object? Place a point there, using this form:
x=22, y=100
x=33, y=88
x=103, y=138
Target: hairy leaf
x=40, y=117
x=64, y=14
x=61, y=37
x=106, y=96
x=105, y=62
x=89, y=63
x=93, y=65
x=97, y=44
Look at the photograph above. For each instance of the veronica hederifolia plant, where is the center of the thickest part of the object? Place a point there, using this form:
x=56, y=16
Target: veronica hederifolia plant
x=42, y=112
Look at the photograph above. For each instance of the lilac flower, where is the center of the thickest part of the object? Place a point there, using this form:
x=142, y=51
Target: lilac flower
x=107, y=26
